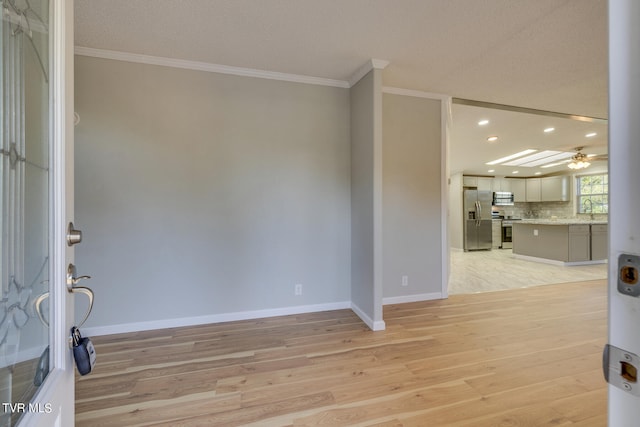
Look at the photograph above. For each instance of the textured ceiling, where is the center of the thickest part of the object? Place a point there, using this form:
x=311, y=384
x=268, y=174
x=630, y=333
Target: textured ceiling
x=544, y=54
x=541, y=54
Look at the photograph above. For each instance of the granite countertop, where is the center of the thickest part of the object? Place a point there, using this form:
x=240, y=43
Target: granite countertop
x=562, y=221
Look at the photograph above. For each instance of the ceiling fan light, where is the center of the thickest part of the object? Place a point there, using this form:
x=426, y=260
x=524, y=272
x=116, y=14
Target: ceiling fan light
x=579, y=161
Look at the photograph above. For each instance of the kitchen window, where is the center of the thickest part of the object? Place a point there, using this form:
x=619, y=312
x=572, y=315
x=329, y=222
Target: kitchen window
x=592, y=194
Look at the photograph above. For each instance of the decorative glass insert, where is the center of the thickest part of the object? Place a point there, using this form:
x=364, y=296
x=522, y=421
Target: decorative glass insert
x=24, y=204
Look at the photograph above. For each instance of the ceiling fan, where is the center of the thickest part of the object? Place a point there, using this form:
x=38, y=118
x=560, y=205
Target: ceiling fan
x=581, y=160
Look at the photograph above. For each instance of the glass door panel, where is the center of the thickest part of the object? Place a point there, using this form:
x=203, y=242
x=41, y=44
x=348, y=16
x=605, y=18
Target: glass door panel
x=24, y=204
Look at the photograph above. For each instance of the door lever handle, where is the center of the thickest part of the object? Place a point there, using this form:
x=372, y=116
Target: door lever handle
x=72, y=280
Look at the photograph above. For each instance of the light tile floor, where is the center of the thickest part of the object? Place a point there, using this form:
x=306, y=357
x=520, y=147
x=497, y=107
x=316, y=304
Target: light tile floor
x=484, y=271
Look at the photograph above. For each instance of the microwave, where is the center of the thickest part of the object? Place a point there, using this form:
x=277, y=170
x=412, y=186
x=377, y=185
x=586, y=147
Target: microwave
x=502, y=198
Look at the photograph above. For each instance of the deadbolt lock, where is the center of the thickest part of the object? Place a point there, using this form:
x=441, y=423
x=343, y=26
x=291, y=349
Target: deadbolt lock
x=73, y=236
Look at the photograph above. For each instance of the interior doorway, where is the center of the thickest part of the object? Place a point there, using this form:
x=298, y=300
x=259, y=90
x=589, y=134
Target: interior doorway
x=491, y=148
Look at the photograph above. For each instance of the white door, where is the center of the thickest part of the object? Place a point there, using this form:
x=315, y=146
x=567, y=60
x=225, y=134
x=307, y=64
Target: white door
x=624, y=212
x=36, y=203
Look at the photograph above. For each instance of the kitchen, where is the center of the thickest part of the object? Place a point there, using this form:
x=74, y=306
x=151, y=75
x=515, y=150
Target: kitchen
x=520, y=214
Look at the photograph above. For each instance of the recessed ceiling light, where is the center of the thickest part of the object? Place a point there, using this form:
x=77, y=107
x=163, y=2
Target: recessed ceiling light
x=591, y=135
x=492, y=138
x=491, y=170
x=515, y=172
x=538, y=173
x=483, y=122
x=512, y=156
x=547, y=130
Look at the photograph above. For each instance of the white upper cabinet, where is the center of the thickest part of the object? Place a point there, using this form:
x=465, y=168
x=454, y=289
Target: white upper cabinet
x=485, y=184
x=502, y=184
x=533, y=190
x=519, y=189
x=469, y=181
x=555, y=189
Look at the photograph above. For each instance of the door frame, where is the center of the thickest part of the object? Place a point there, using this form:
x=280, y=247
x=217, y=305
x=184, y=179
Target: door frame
x=55, y=399
x=624, y=226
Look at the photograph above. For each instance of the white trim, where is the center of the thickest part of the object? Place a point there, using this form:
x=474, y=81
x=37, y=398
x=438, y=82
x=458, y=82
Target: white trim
x=207, y=67
x=414, y=93
x=373, y=325
x=378, y=287
x=412, y=298
x=446, y=120
x=372, y=64
x=62, y=305
x=213, y=318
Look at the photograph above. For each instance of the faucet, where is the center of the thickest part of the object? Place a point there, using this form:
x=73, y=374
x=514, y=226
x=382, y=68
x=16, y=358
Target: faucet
x=584, y=207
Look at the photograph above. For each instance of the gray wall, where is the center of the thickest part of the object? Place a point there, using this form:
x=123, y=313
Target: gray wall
x=367, y=300
x=201, y=193
x=412, y=199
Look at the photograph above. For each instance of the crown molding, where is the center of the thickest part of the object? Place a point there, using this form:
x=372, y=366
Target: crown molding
x=207, y=67
x=372, y=64
x=414, y=93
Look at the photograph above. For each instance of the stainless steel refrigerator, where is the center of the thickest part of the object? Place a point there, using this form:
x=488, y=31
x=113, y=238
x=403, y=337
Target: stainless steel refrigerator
x=477, y=220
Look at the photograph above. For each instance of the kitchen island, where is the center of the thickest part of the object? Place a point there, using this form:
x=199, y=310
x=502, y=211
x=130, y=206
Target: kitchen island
x=561, y=241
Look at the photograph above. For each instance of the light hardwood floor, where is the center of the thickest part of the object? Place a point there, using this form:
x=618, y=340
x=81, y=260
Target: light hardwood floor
x=523, y=357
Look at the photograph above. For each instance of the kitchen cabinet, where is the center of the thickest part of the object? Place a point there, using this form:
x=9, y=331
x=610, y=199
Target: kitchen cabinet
x=579, y=243
x=519, y=189
x=566, y=242
x=533, y=190
x=555, y=189
x=485, y=184
x=496, y=233
x=470, y=181
x=599, y=242
x=502, y=184
x=482, y=183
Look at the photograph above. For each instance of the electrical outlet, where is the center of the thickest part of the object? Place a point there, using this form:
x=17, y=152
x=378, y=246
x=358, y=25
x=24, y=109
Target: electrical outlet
x=298, y=289
x=405, y=280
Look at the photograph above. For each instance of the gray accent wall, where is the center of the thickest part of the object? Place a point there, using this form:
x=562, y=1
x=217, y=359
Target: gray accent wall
x=412, y=197
x=202, y=194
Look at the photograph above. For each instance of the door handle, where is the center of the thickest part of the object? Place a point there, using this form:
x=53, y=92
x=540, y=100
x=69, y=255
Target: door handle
x=72, y=280
x=80, y=289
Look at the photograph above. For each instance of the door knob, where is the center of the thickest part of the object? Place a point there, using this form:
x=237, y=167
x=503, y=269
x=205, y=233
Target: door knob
x=73, y=236
x=72, y=280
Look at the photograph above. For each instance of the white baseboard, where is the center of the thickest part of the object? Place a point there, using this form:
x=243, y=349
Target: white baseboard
x=214, y=318
x=412, y=298
x=374, y=325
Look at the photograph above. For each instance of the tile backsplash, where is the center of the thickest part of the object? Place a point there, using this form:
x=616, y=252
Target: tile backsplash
x=544, y=210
